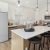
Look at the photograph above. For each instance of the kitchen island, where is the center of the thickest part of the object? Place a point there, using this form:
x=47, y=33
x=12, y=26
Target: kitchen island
x=20, y=37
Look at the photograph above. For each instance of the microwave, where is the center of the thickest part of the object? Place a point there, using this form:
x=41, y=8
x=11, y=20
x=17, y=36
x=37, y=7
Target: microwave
x=47, y=17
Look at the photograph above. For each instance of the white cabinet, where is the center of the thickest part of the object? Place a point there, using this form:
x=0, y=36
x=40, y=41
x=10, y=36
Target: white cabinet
x=3, y=7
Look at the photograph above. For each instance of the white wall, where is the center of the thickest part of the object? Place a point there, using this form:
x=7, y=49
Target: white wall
x=20, y=14
x=11, y=11
x=23, y=14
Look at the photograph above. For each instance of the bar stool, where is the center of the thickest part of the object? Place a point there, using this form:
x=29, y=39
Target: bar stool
x=35, y=40
x=47, y=36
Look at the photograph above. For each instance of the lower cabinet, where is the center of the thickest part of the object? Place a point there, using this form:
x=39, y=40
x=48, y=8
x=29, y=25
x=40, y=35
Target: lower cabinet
x=12, y=28
x=9, y=31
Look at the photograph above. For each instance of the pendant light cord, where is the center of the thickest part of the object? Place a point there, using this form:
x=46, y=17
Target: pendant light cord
x=47, y=5
x=18, y=1
x=37, y=4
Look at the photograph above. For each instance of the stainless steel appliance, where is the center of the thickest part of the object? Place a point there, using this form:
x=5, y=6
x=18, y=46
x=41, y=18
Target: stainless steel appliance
x=3, y=26
x=47, y=17
x=47, y=23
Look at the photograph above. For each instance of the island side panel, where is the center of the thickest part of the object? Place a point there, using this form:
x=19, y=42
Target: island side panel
x=17, y=43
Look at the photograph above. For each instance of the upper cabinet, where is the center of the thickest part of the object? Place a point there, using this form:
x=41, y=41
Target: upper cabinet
x=3, y=7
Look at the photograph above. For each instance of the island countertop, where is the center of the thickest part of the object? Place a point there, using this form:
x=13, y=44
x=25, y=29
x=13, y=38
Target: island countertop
x=27, y=35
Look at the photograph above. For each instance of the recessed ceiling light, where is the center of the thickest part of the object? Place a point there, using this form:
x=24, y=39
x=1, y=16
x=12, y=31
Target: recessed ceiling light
x=26, y=2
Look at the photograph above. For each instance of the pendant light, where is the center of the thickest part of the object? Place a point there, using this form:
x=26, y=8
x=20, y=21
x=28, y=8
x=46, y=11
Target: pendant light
x=18, y=3
x=47, y=8
x=37, y=6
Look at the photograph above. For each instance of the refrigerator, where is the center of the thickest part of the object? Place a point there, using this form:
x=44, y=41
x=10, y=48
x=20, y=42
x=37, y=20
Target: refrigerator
x=3, y=26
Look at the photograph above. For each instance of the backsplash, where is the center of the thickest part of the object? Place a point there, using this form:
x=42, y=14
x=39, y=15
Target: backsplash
x=12, y=22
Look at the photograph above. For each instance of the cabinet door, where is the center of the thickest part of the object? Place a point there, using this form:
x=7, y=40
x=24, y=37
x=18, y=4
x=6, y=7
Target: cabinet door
x=9, y=31
x=3, y=27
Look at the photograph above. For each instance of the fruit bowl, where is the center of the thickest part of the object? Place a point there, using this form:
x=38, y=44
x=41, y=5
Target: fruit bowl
x=29, y=30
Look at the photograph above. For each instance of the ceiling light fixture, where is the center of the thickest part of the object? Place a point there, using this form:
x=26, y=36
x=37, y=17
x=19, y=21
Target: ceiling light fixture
x=37, y=6
x=18, y=3
x=47, y=8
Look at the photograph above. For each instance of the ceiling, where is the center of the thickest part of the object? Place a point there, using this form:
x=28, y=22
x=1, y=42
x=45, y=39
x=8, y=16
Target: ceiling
x=31, y=3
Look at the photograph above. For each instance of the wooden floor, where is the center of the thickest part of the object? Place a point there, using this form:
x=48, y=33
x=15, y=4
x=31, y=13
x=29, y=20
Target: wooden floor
x=45, y=48
x=5, y=45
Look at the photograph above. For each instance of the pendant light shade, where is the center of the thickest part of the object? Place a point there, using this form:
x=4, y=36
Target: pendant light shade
x=18, y=3
x=37, y=9
x=37, y=6
x=47, y=13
